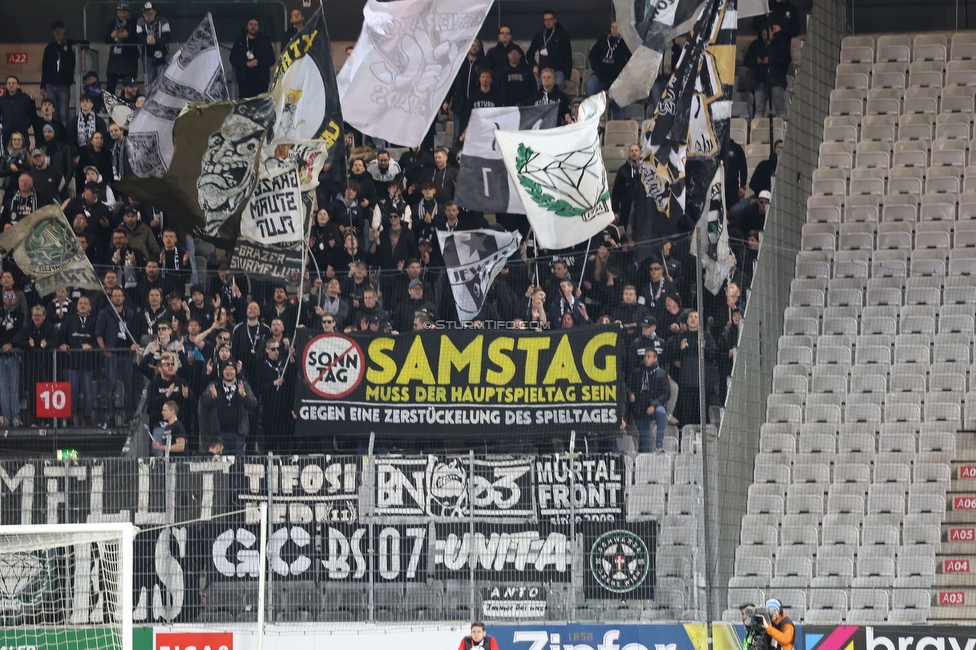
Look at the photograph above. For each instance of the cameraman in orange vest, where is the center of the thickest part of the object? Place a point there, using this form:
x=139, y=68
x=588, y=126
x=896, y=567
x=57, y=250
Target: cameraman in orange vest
x=478, y=639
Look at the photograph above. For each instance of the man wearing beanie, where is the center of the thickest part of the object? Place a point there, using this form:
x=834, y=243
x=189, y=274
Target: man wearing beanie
x=58, y=70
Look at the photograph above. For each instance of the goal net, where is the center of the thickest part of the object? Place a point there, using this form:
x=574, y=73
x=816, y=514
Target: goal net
x=66, y=587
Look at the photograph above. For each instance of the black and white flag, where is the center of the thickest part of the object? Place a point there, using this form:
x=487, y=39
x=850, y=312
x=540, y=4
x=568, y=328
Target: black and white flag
x=483, y=183
x=194, y=75
x=474, y=259
x=717, y=261
x=273, y=214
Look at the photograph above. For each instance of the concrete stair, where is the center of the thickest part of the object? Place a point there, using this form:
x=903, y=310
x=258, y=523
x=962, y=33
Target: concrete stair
x=954, y=588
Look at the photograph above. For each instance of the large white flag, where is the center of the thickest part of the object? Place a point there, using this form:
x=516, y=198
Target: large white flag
x=717, y=261
x=474, y=259
x=404, y=64
x=483, y=184
x=560, y=177
x=194, y=75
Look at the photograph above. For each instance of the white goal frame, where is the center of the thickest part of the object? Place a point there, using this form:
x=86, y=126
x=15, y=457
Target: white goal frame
x=126, y=533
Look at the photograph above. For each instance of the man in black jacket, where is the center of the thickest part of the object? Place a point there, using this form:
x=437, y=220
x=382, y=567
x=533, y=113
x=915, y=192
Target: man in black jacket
x=649, y=391
x=10, y=327
x=554, y=48
x=497, y=57
x=551, y=93
x=123, y=56
x=769, y=59
x=154, y=33
x=226, y=407
x=736, y=175
x=608, y=56
x=17, y=110
x=624, y=185
x=465, y=85
x=78, y=335
x=516, y=80
x=58, y=70
x=252, y=57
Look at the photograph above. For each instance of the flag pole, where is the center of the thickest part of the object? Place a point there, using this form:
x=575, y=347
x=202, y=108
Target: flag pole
x=301, y=283
x=585, y=258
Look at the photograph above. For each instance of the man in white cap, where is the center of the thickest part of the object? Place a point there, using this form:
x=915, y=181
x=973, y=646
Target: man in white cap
x=753, y=217
x=123, y=55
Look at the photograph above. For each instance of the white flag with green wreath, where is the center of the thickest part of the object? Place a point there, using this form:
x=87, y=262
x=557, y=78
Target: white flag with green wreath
x=560, y=177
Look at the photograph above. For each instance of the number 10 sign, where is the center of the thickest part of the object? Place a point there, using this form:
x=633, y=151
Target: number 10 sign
x=53, y=399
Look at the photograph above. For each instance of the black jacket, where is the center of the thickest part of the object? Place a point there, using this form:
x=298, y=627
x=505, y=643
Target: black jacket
x=736, y=172
x=762, y=175
x=260, y=48
x=17, y=112
x=554, y=96
x=11, y=323
x=608, y=56
x=559, y=50
x=497, y=57
x=465, y=84
x=781, y=13
x=650, y=388
x=517, y=84
x=773, y=72
x=242, y=406
x=58, y=64
x=123, y=56
x=622, y=194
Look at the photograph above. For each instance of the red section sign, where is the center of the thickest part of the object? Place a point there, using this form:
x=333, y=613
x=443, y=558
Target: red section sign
x=952, y=598
x=194, y=641
x=964, y=503
x=967, y=471
x=955, y=566
x=53, y=399
x=962, y=534
x=16, y=58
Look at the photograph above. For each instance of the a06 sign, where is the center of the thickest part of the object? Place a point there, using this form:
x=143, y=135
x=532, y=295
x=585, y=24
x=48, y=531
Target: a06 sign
x=53, y=399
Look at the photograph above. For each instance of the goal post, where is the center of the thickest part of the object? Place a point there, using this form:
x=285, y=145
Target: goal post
x=66, y=586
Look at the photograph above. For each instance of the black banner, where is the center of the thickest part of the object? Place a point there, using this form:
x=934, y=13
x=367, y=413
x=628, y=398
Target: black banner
x=445, y=488
x=278, y=263
x=620, y=560
x=459, y=382
x=591, y=487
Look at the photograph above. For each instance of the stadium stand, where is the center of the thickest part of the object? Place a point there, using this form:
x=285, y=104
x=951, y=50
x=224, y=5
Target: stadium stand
x=858, y=480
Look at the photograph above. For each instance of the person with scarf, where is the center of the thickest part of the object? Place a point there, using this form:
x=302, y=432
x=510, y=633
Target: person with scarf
x=174, y=263
x=652, y=294
x=96, y=155
x=649, y=392
x=123, y=55
x=247, y=340
x=165, y=340
x=77, y=334
x=20, y=204
x=392, y=202
x=325, y=299
x=554, y=49
x=608, y=56
x=120, y=159
x=324, y=240
x=85, y=124
x=551, y=93
x=226, y=409
x=568, y=302
x=60, y=308
x=15, y=160
x=90, y=174
x=275, y=384
x=430, y=216
x=153, y=32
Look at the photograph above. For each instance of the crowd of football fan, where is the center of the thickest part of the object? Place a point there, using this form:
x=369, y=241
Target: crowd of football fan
x=214, y=346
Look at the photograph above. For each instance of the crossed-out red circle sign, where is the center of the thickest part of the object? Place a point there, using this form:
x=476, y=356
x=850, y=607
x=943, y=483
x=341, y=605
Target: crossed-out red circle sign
x=333, y=364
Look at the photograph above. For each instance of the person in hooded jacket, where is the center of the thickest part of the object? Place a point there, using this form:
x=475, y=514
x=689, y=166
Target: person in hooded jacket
x=465, y=85
x=553, y=46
